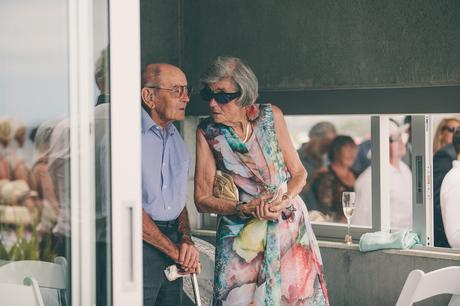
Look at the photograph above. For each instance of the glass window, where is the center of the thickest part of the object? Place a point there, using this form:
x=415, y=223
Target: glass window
x=414, y=153
x=37, y=128
x=336, y=152
x=350, y=154
x=35, y=159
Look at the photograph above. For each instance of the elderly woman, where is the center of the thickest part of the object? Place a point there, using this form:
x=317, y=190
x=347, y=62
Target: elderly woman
x=266, y=252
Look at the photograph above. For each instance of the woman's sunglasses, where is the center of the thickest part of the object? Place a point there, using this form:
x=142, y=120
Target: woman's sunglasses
x=220, y=97
x=450, y=129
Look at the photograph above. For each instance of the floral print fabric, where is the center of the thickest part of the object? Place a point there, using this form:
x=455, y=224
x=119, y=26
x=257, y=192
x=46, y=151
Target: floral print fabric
x=262, y=262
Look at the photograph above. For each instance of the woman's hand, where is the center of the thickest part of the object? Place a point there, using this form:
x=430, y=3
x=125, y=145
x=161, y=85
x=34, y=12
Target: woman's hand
x=263, y=209
x=263, y=212
x=250, y=207
x=280, y=203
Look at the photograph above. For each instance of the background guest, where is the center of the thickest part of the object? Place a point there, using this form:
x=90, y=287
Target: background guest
x=312, y=156
x=444, y=133
x=339, y=177
x=450, y=195
x=442, y=163
x=400, y=185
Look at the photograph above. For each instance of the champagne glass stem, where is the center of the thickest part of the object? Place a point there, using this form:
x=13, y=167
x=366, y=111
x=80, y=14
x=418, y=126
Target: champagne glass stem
x=348, y=226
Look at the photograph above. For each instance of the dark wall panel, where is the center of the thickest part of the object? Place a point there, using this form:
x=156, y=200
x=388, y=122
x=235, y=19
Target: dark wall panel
x=414, y=100
x=160, y=31
x=300, y=44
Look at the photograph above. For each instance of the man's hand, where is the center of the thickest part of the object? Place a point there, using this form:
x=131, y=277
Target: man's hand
x=189, y=257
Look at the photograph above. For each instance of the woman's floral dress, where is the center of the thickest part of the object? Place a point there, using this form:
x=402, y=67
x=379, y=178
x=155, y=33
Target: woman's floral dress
x=262, y=262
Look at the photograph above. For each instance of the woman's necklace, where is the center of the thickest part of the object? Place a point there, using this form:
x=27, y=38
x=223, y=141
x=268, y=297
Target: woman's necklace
x=246, y=137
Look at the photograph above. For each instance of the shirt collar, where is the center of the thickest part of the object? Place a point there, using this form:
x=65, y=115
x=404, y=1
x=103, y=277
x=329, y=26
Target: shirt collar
x=148, y=123
x=456, y=163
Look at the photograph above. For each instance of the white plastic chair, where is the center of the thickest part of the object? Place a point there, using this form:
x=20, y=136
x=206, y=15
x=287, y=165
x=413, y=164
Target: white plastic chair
x=51, y=277
x=26, y=293
x=420, y=285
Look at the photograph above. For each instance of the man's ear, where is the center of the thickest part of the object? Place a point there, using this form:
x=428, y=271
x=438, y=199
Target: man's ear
x=148, y=97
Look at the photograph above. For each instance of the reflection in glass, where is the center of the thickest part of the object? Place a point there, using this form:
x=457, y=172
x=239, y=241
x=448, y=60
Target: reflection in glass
x=35, y=141
x=102, y=175
x=102, y=155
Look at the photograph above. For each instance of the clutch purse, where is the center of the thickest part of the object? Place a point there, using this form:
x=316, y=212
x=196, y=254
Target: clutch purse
x=224, y=187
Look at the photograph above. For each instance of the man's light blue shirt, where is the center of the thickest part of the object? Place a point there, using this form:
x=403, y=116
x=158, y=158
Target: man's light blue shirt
x=165, y=167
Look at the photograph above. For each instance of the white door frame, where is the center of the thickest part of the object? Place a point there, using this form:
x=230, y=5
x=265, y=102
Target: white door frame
x=124, y=29
x=125, y=85
x=82, y=202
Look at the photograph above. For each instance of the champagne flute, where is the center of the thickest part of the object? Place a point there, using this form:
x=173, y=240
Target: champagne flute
x=348, y=205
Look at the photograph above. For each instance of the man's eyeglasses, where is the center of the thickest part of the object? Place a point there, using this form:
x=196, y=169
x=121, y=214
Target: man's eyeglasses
x=221, y=97
x=450, y=129
x=177, y=91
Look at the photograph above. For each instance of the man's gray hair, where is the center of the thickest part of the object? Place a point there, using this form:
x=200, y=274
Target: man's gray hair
x=102, y=61
x=321, y=129
x=151, y=75
x=240, y=73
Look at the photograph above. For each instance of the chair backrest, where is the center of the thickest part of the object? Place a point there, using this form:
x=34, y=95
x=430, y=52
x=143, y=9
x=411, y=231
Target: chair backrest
x=206, y=277
x=47, y=274
x=26, y=293
x=420, y=285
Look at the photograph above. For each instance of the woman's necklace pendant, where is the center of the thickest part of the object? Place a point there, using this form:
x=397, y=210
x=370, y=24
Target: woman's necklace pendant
x=246, y=136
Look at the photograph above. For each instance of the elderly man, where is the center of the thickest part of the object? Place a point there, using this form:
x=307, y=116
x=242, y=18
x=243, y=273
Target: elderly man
x=450, y=193
x=165, y=166
x=312, y=156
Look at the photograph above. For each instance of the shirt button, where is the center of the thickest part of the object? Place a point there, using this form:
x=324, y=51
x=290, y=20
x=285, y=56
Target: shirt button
x=169, y=207
x=165, y=186
x=164, y=164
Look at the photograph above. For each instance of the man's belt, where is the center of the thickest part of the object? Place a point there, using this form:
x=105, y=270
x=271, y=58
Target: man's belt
x=173, y=224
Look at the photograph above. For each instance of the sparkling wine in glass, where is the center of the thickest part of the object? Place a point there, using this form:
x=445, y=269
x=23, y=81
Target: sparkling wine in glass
x=349, y=205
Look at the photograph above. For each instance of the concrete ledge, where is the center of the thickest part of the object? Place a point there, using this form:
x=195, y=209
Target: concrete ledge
x=418, y=251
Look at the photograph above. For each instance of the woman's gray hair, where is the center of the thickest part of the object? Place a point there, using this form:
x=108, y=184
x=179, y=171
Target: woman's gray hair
x=240, y=73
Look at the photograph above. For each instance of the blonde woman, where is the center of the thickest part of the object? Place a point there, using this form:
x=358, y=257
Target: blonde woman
x=444, y=133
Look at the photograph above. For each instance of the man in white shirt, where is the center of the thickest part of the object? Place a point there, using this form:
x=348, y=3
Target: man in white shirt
x=400, y=187
x=450, y=198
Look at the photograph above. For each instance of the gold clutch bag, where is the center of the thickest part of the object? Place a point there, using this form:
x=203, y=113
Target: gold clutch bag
x=224, y=187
